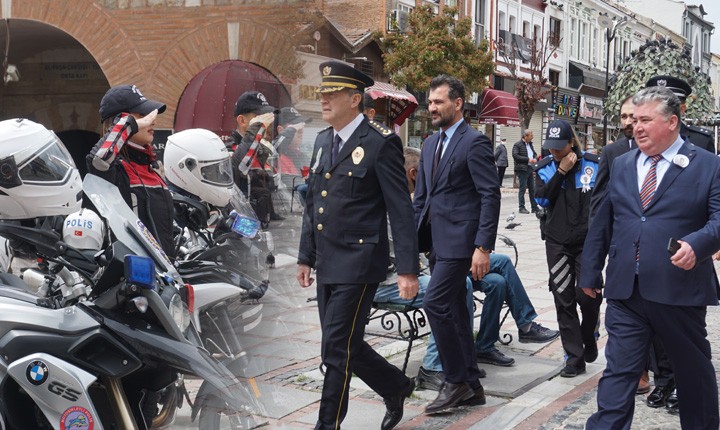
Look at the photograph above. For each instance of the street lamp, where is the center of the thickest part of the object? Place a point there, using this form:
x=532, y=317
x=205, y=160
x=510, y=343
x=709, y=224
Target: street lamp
x=610, y=26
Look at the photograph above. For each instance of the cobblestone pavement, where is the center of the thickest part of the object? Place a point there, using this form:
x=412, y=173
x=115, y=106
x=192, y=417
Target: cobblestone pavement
x=284, y=350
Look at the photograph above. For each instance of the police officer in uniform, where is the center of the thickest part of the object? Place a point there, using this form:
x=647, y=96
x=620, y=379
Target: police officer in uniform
x=358, y=181
x=701, y=137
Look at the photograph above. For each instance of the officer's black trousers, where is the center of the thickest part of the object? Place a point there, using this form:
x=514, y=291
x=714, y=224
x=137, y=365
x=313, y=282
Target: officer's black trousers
x=564, y=267
x=343, y=313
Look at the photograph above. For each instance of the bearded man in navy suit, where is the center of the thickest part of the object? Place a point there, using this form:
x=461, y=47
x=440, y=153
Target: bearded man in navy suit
x=667, y=189
x=457, y=205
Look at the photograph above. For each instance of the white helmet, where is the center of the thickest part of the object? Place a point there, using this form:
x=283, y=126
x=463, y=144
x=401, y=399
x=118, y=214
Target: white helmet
x=197, y=161
x=37, y=174
x=84, y=230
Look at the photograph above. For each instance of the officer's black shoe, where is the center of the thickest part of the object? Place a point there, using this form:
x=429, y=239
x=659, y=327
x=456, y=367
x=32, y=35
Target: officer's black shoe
x=523, y=211
x=478, y=398
x=672, y=405
x=494, y=357
x=394, y=406
x=591, y=352
x=659, y=395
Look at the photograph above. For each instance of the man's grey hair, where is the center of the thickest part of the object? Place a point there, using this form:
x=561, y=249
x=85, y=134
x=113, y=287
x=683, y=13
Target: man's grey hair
x=526, y=132
x=412, y=157
x=669, y=103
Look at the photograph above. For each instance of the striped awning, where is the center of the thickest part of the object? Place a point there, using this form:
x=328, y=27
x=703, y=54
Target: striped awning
x=498, y=107
x=401, y=103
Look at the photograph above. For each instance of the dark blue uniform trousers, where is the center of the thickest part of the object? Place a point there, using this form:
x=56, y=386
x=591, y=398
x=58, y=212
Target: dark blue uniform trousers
x=445, y=305
x=631, y=325
x=343, y=314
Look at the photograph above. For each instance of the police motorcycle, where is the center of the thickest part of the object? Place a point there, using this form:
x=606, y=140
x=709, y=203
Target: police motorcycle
x=216, y=260
x=92, y=363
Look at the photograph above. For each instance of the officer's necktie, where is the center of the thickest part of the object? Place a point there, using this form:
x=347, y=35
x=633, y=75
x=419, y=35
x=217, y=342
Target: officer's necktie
x=335, y=148
x=647, y=191
x=438, y=153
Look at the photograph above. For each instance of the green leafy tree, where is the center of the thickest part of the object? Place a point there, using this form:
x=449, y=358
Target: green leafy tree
x=661, y=57
x=433, y=45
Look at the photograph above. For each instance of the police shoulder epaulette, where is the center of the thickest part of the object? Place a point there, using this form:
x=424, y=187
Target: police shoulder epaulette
x=592, y=157
x=542, y=163
x=700, y=130
x=329, y=127
x=380, y=128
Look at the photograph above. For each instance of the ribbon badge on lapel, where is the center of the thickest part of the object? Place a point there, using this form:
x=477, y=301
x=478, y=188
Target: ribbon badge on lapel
x=681, y=160
x=317, y=160
x=358, y=155
x=585, y=179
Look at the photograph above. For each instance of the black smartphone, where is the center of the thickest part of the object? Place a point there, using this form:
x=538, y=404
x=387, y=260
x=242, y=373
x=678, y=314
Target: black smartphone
x=673, y=246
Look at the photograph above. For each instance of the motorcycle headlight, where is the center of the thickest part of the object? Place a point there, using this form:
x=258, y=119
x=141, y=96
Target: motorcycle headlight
x=176, y=307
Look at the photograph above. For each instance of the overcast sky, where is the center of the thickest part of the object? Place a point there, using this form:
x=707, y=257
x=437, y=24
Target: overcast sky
x=712, y=7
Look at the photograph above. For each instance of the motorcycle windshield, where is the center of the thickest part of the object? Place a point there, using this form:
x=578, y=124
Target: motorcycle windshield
x=188, y=359
x=123, y=222
x=246, y=221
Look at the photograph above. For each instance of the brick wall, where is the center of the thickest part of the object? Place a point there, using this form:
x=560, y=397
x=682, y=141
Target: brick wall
x=161, y=44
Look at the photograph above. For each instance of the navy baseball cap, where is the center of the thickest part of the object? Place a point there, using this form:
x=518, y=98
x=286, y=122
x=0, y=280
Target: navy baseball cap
x=558, y=135
x=290, y=115
x=252, y=102
x=127, y=98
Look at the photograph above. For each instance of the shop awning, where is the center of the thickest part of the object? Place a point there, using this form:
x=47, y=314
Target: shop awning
x=401, y=103
x=498, y=107
x=208, y=100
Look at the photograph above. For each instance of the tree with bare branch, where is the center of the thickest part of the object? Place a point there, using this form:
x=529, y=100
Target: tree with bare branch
x=533, y=86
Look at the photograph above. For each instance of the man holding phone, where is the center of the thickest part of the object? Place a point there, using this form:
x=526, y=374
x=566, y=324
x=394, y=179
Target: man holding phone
x=654, y=195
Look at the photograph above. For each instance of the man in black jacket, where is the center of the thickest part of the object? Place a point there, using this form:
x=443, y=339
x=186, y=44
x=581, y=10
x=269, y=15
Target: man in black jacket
x=253, y=113
x=524, y=156
x=612, y=151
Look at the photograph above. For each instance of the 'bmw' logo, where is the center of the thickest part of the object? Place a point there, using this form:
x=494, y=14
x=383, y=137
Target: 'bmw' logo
x=37, y=372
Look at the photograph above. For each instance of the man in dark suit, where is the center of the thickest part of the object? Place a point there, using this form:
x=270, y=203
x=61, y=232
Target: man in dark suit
x=665, y=393
x=612, y=151
x=665, y=189
x=358, y=181
x=457, y=205
x=525, y=157
x=700, y=137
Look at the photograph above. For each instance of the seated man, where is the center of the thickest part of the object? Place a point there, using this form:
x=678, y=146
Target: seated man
x=388, y=292
x=502, y=284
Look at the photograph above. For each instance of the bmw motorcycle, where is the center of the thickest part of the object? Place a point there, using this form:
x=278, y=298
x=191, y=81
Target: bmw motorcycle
x=117, y=359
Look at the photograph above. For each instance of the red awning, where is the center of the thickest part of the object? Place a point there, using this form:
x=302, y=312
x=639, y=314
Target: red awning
x=402, y=103
x=498, y=107
x=209, y=98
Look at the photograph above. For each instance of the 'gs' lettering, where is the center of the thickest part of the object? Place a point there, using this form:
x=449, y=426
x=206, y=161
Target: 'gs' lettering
x=63, y=391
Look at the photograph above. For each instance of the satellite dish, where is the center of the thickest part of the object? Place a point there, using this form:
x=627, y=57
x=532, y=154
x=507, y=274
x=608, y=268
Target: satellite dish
x=604, y=21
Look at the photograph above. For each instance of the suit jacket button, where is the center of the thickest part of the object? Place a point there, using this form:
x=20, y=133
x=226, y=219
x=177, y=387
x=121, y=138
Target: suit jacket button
x=643, y=219
x=328, y=175
x=349, y=173
x=319, y=227
x=361, y=241
x=323, y=193
x=321, y=210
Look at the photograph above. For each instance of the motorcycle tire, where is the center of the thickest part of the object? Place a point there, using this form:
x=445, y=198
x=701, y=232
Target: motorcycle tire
x=212, y=419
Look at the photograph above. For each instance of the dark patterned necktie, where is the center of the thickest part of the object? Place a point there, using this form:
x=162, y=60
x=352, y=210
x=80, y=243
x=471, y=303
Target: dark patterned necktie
x=335, y=148
x=438, y=153
x=650, y=183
